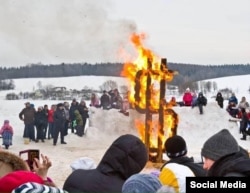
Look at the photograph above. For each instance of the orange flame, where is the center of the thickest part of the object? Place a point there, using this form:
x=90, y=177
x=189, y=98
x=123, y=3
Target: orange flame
x=156, y=74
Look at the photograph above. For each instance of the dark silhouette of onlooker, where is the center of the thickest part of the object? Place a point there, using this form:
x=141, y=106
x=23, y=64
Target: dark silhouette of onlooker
x=179, y=165
x=27, y=115
x=201, y=101
x=40, y=121
x=73, y=107
x=83, y=110
x=244, y=123
x=59, y=123
x=105, y=101
x=224, y=157
x=220, y=100
x=126, y=156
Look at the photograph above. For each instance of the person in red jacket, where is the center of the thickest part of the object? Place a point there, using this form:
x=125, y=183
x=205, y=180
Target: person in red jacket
x=187, y=98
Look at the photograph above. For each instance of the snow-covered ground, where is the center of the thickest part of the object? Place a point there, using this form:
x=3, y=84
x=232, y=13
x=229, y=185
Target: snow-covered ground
x=105, y=126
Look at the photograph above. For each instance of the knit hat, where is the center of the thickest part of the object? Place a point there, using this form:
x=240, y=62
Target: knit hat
x=140, y=183
x=14, y=179
x=85, y=163
x=175, y=146
x=220, y=145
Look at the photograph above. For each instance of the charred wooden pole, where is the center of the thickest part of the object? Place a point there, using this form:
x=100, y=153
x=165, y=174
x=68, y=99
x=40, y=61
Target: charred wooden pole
x=148, y=116
x=161, y=112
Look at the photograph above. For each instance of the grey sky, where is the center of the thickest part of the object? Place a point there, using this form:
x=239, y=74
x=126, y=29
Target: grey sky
x=188, y=31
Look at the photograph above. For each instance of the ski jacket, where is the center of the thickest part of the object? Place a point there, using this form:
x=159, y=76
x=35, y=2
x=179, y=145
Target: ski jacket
x=50, y=116
x=236, y=164
x=187, y=99
x=126, y=156
x=174, y=172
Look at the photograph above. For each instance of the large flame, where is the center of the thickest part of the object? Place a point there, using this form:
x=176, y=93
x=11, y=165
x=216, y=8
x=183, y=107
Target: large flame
x=138, y=71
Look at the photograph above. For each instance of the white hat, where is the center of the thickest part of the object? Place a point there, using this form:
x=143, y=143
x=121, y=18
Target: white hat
x=85, y=163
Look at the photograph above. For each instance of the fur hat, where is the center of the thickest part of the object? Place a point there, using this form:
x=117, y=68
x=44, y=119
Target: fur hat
x=14, y=179
x=14, y=161
x=220, y=145
x=175, y=146
x=140, y=183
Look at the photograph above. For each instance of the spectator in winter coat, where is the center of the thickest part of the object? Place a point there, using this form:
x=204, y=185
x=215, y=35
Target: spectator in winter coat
x=73, y=107
x=7, y=134
x=116, y=99
x=27, y=115
x=46, y=113
x=66, y=111
x=83, y=110
x=40, y=119
x=194, y=99
x=201, y=101
x=224, y=157
x=51, y=121
x=220, y=100
x=79, y=123
x=174, y=172
x=233, y=100
x=59, y=123
x=187, y=98
x=105, y=101
x=94, y=101
x=243, y=103
x=126, y=156
x=244, y=123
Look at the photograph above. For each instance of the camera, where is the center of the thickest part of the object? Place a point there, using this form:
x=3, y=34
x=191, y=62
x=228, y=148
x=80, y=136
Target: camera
x=30, y=155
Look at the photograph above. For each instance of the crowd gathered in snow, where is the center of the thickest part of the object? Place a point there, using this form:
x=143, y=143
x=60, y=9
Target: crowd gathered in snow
x=120, y=167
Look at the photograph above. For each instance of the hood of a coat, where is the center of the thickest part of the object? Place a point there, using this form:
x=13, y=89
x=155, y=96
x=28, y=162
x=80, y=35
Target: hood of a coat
x=126, y=156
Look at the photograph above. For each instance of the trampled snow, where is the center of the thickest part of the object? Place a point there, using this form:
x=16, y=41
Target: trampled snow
x=105, y=126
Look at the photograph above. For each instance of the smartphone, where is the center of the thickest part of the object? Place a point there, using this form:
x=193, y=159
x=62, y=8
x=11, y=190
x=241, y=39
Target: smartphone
x=29, y=155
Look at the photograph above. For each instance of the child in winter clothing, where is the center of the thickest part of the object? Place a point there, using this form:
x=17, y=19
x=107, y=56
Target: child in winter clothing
x=7, y=134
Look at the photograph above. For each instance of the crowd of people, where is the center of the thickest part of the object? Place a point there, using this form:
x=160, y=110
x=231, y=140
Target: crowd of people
x=120, y=169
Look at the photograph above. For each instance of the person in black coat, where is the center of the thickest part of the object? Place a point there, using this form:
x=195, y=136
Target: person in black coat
x=243, y=123
x=201, y=101
x=73, y=107
x=223, y=157
x=105, y=101
x=176, y=150
x=83, y=110
x=40, y=122
x=59, y=123
x=219, y=98
x=126, y=156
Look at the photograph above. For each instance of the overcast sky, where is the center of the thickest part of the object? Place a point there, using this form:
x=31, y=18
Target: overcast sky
x=183, y=31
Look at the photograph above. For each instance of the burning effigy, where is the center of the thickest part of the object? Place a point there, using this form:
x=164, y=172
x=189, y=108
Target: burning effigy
x=148, y=76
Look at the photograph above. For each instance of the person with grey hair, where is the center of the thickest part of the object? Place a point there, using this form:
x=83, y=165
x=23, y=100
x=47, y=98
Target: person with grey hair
x=224, y=157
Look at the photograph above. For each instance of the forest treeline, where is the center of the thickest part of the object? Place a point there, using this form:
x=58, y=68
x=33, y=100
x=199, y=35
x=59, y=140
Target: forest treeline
x=187, y=73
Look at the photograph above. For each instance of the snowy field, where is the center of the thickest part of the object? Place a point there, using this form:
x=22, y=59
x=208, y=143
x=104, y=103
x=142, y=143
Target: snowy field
x=105, y=126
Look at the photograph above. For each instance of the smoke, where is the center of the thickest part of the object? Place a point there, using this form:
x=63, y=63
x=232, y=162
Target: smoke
x=55, y=31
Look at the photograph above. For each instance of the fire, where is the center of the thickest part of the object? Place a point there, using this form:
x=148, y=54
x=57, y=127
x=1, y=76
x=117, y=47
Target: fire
x=144, y=75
